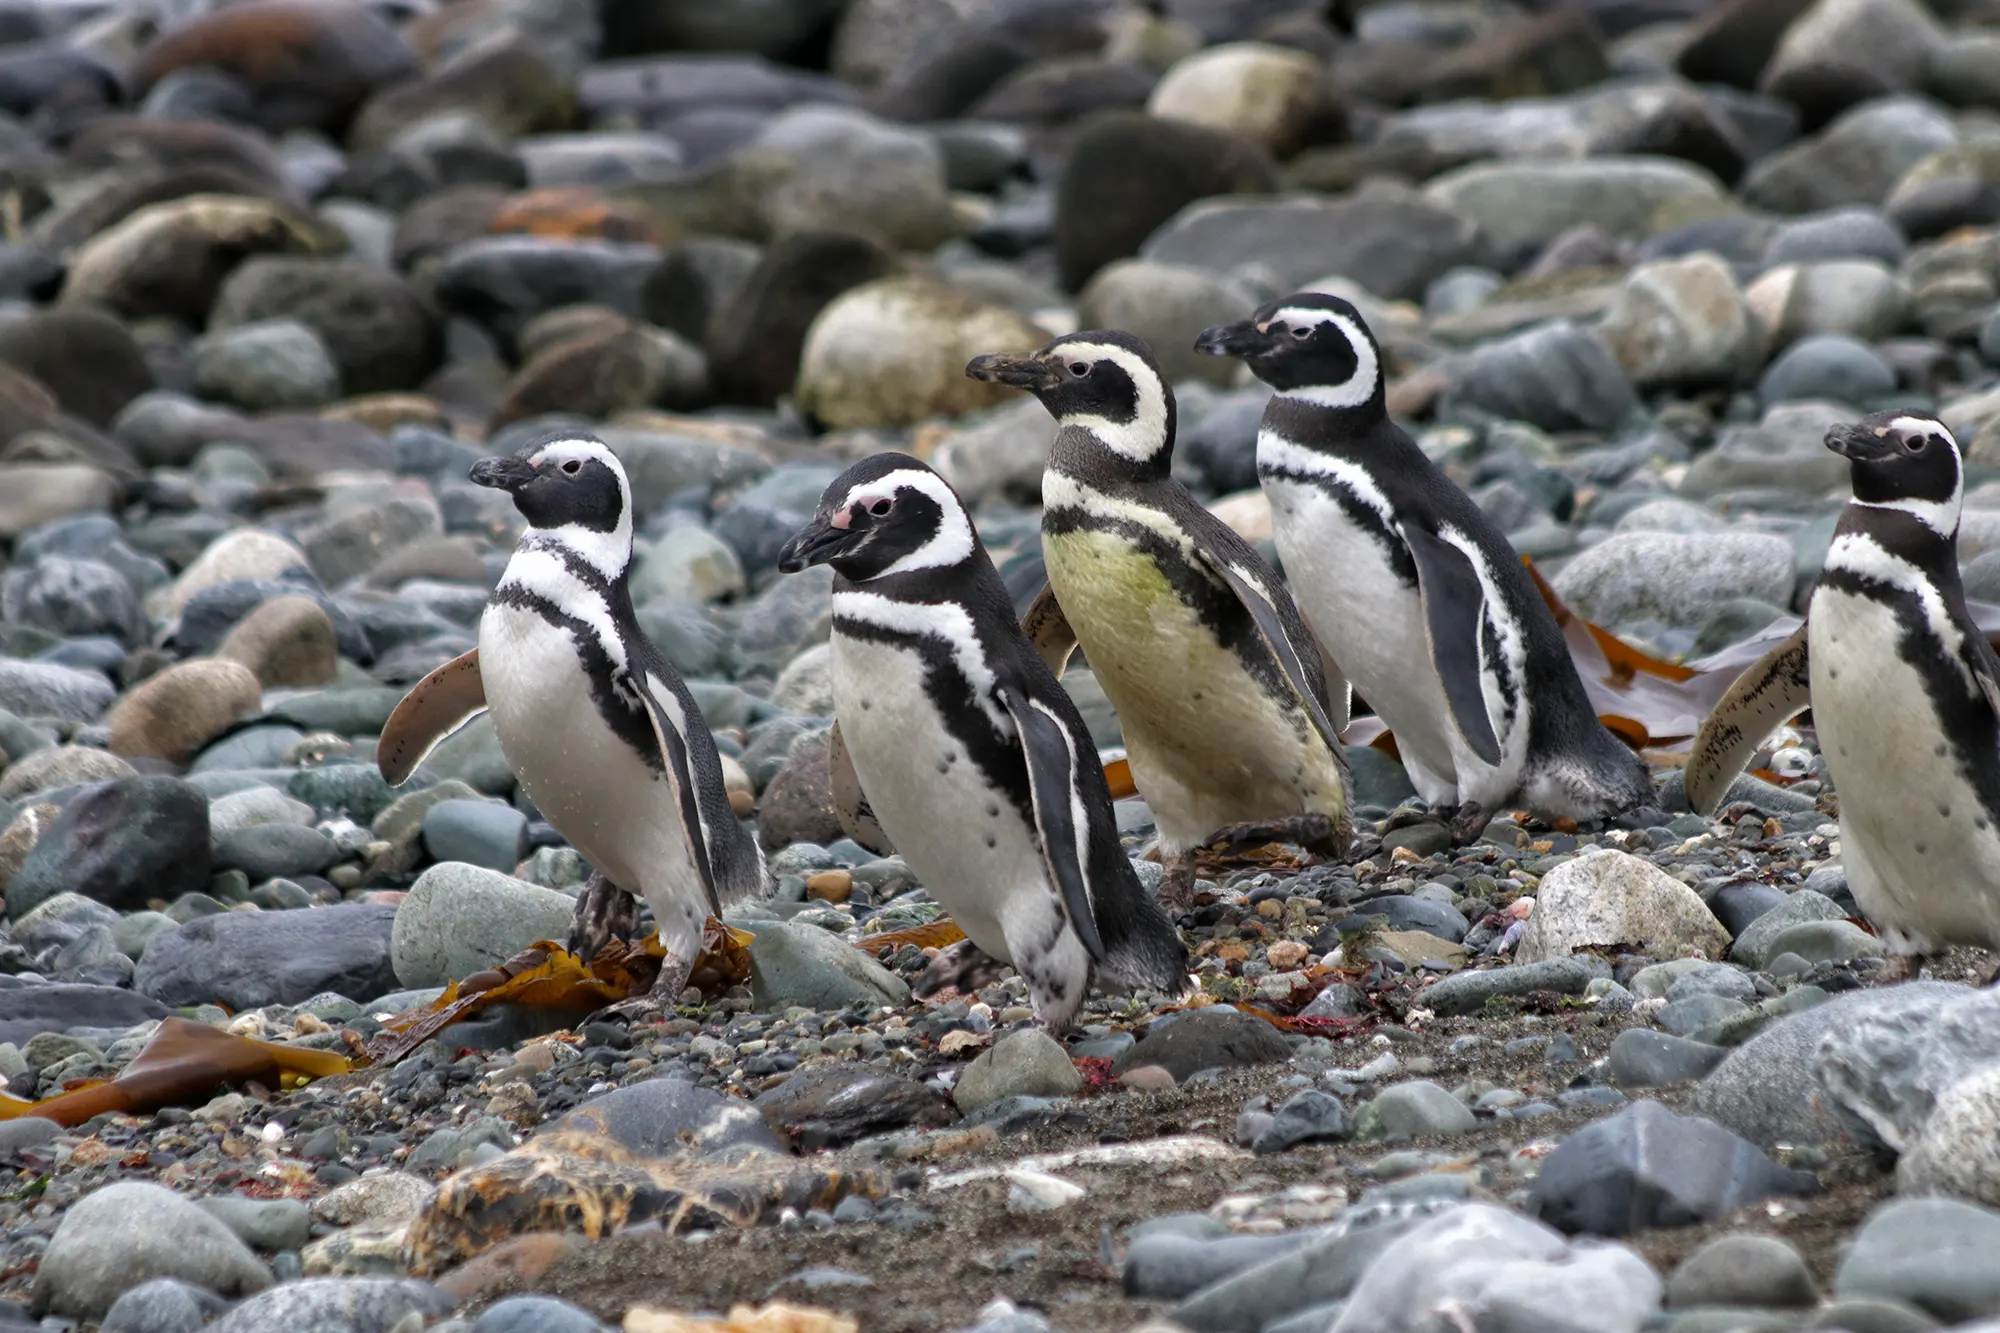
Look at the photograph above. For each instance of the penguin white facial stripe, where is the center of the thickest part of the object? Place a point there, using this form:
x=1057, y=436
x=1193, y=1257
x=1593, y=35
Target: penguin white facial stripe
x=1275, y=451
x=609, y=552
x=1864, y=557
x=954, y=539
x=542, y=574
x=946, y=621
x=1146, y=433
x=1940, y=516
x=1357, y=388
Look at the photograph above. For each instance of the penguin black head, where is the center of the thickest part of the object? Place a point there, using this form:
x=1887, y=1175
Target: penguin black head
x=1309, y=346
x=1904, y=460
x=572, y=488
x=888, y=514
x=1105, y=382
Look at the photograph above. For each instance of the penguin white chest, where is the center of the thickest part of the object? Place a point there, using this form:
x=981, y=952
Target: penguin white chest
x=587, y=781
x=1921, y=852
x=1370, y=622
x=966, y=840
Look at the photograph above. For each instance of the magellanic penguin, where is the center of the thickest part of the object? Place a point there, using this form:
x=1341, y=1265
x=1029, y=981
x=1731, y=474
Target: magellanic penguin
x=1905, y=696
x=1229, y=726
x=597, y=726
x=1415, y=596
x=973, y=758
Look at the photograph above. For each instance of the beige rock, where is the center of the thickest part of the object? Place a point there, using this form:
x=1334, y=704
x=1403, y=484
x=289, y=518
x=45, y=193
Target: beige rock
x=61, y=766
x=170, y=258
x=1859, y=297
x=286, y=641
x=893, y=352
x=1611, y=897
x=173, y=714
x=1683, y=321
x=32, y=494
x=244, y=553
x=1278, y=96
x=1168, y=305
x=1248, y=514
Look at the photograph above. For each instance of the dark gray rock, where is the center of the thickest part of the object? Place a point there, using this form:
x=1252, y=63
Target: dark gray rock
x=73, y=597
x=1468, y=992
x=1558, y=376
x=1753, y=946
x=28, y=1008
x=164, y=1305
x=1167, y=1267
x=1210, y=1038
x=1308, y=1116
x=1407, y=913
x=121, y=842
x=534, y=1314
x=43, y=689
x=665, y=1117
x=1647, y=1167
x=1325, y=1268
x=825, y=1108
x=249, y=959
x=492, y=834
x=1827, y=366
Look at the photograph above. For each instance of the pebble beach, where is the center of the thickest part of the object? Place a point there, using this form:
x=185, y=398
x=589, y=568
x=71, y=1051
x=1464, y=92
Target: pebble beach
x=275, y=273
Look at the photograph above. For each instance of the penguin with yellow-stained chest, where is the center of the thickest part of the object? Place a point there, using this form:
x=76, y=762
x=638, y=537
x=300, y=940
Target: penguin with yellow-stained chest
x=1229, y=723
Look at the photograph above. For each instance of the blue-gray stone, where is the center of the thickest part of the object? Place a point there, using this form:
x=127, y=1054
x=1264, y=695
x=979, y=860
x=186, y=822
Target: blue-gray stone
x=481, y=833
x=1468, y=992
x=1643, y=1059
x=121, y=842
x=335, y=1305
x=1940, y=1255
x=1308, y=1116
x=250, y=959
x=1647, y=1167
x=267, y=851
x=535, y=1314
x=163, y=1305
x=1827, y=366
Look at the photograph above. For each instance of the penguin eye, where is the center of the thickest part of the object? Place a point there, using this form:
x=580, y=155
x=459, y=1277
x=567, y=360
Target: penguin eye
x=1079, y=368
x=572, y=467
x=1302, y=332
x=881, y=507
x=1916, y=445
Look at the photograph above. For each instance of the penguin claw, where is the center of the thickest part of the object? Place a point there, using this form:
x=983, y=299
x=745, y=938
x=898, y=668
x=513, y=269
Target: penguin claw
x=1314, y=832
x=657, y=1002
x=1177, y=885
x=1467, y=823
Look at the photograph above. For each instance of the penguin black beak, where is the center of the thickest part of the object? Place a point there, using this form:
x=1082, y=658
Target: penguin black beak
x=1016, y=372
x=506, y=474
x=1860, y=444
x=816, y=543
x=1240, y=339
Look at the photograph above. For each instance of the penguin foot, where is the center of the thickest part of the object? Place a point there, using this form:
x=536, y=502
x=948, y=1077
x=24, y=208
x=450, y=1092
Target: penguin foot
x=1177, y=885
x=1468, y=822
x=604, y=912
x=963, y=965
x=1409, y=815
x=654, y=1005
x=1901, y=967
x=1314, y=832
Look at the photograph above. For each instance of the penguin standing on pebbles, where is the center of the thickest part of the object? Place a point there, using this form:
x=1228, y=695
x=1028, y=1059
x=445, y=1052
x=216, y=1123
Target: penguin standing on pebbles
x=597, y=726
x=1905, y=695
x=1218, y=686
x=1423, y=605
x=973, y=758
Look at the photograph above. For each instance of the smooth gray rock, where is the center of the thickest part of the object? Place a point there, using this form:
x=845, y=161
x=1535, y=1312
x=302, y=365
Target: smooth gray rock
x=1939, y=1255
x=250, y=959
x=1468, y=992
x=1325, y=1268
x=126, y=1233
x=1753, y=946
x=29, y=1008
x=808, y=966
x=1639, y=1058
x=1209, y=1038
x=1743, y=1270
x=1890, y=1065
x=1307, y=1116
x=1504, y=1273
x=163, y=1305
x=1413, y=1110
x=666, y=1116
x=121, y=842
x=534, y=1314
x=1166, y=1267
x=265, y=1224
x=492, y=834
x=459, y=919
x=335, y=1305
x=1647, y=1167
x=269, y=851
x=1028, y=1063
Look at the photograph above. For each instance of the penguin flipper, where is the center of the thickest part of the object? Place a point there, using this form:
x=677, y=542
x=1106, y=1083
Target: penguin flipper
x=678, y=769
x=1454, y=610
x=1773, y=690
x=1048, y=629
x=1062, y=816
x=436, y=706
x=1290, y=655
x=850, y=802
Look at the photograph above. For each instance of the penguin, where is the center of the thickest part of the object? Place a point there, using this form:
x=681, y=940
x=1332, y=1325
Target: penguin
x=1412, y=592
x=1905, y=696
x=1230, y=728
x=974, y=760
x=599, y=729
